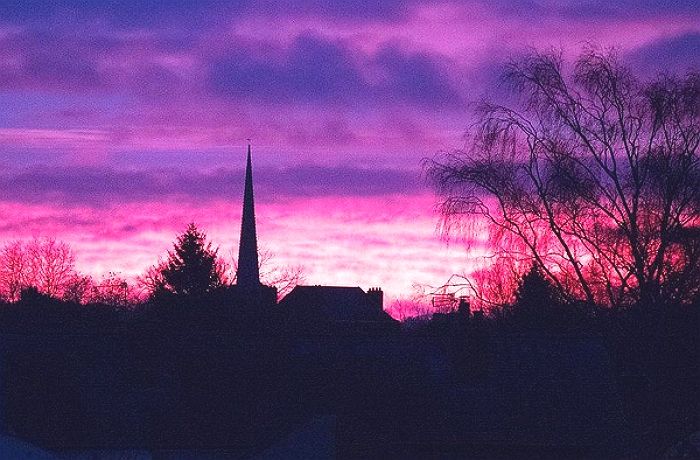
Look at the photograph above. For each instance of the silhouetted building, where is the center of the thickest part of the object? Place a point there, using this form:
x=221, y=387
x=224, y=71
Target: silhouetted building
x=307, y=305
x=464, y=308
x=341, y=306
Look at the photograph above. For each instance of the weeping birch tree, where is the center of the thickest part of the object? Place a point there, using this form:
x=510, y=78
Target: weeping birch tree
x=590, y=173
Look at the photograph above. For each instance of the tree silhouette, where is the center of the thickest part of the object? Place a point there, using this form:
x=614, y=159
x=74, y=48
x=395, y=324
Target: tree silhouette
x=191, y=268
x=283, y=278
x=593, y=175
x=79, y=289
x=43, y=263
x=113, y=290
x=536, y=295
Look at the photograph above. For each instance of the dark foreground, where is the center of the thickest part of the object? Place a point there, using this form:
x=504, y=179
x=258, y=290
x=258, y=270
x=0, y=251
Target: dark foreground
x=225, y=381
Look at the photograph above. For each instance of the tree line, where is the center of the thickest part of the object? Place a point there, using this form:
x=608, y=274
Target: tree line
x=192, y=268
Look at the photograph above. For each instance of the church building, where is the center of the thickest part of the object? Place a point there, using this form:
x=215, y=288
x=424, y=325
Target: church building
x=330, y=305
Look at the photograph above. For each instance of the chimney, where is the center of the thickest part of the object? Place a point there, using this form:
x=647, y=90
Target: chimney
x=376, y=297
x=464, y=309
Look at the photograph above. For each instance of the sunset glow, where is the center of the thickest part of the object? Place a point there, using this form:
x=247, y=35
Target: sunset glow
x=120, y=125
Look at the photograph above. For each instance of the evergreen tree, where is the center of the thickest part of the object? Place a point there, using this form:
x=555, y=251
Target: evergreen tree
x=536, y=300
x=191, y=268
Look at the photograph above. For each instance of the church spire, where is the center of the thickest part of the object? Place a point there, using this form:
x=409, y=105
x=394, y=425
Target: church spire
x=248, y=275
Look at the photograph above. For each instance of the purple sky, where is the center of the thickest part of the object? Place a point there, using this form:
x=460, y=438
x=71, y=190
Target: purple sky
x=120, y=123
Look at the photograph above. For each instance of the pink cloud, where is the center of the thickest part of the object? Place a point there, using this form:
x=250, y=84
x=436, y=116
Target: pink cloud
x=387, y=241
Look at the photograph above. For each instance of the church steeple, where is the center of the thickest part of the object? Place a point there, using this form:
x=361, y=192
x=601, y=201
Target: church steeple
x=248, y=275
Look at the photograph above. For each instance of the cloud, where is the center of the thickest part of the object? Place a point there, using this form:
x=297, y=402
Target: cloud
x=341, y=181
x=629, y=8
x=49, y=60
x=98, y=186
x=158, y=69
x=96, y=61
x=677, y=54
x=318, y=70
x=188, y=13
x=589, y=9
x=342, y=241
x=389, y=79
x=312, y=70
x=387, y=10
x=118, y=12
x=415, y=78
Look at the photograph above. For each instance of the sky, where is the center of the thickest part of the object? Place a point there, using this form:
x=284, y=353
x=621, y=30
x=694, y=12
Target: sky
x=121, y=122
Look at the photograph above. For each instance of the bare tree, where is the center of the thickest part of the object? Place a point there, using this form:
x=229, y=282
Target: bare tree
x=51, y=266
x=79, y=289
x=421, y=301
x=45, y=264
x=403, y=309
x=590, y=173
x=283, y=278
x=13, y=270
x=495, y=284
x=113, y=290
x=151, y=281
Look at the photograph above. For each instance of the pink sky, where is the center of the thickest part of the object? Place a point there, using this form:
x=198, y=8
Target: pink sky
x=119, y=124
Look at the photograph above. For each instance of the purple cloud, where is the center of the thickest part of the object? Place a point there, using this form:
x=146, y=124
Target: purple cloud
x=311, y=70
x=202, y=12
x=191, y=13
x=588, y=9
x=117, y=12
x=629, y=8
x=49, y=60
x=97, y=186
x=677, y=54
x=317, y=70
x=415, y=78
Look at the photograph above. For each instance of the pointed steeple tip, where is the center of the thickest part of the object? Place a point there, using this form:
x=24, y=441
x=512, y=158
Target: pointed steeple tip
x=249, y=165
x=248, y=272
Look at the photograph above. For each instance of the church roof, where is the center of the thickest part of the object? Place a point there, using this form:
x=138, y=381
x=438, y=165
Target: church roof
x=333, y=303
